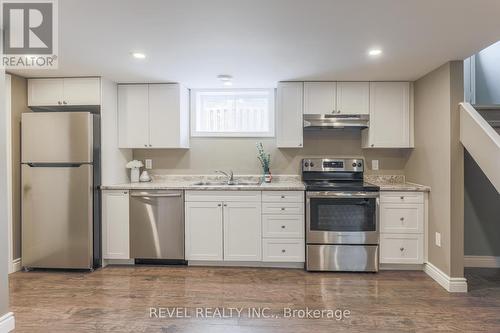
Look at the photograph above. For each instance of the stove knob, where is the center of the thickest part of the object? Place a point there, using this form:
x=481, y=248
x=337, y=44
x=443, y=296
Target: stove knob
x=354, y=165
x=359, y=164
x=312, y=164
x=306, y=164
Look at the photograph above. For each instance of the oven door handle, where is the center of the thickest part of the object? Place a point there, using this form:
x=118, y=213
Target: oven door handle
x=342, y=194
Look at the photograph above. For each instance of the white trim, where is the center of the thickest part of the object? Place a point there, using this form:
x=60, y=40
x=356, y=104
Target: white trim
x=15, y=265
x=8, y=150
x=482, y=261
x=246, y=264
x=452, y=285
x=401, y=267
x=7, y=323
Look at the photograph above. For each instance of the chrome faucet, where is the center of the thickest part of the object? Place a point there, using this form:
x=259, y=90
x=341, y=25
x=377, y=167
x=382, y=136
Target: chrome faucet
x=229, y=175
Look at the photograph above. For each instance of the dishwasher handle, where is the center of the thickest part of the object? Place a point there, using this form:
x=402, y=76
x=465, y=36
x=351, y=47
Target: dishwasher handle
x=166, y=195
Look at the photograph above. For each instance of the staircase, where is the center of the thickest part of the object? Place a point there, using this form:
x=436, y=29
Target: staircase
x=480, y=135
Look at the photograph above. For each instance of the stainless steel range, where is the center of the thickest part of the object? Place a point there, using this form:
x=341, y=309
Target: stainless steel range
x=342, y=216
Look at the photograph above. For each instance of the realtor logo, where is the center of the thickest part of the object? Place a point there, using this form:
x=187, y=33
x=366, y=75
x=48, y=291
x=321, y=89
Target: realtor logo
x=29, y=36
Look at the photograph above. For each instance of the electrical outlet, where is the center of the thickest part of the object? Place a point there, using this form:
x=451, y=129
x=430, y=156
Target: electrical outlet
x=149, y=164
x=438, y=239
x=374, y=164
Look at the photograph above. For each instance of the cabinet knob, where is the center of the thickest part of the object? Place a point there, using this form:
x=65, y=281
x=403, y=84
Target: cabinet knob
x=59, y=102
x=282, y=197
x=125, y=192
x=283, y=227
x=402, y=198
x=145, y=145
x=401, y=249
x=333, y=111
x=282, y=208
x=372, y=145
x=283, y=251
x=402, y=219
x=64, y=102
x=338, y=111
x=225, y=205
x=219, y=205
x=300, y=144
x=151, y=145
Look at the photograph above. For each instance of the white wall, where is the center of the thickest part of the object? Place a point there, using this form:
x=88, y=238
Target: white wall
x=4, y=253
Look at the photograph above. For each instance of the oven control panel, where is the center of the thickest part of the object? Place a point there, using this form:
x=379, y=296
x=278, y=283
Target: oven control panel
x=326, y=164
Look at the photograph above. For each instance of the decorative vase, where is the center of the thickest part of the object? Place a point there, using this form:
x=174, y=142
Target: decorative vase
x=268, y=177
x=134, y=175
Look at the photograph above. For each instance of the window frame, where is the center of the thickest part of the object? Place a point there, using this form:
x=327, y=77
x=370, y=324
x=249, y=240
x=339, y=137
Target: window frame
x=272, y=115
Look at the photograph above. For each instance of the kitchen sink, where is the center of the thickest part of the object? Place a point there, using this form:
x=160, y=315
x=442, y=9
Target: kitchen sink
x=235, y=183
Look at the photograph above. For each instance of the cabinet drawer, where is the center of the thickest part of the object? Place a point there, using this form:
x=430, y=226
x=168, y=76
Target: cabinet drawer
x=225, y=196
x=283, y=226
x=283, y=250
x=283, y=196
x=401, y=249
x=285, y=208
x=402, y=197
x=402, y=218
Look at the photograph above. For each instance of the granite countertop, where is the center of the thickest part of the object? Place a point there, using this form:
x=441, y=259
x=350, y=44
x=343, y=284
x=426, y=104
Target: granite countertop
x=181, y=182
x=395, y=183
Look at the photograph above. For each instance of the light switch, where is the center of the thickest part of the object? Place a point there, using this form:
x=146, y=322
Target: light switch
x=374, y=164
x=149, y=164
x=438, y=239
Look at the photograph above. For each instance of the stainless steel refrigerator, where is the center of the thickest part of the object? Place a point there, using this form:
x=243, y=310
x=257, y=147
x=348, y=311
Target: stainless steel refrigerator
x=60, y=170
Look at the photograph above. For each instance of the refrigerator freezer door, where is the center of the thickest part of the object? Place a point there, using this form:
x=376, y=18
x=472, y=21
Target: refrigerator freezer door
x=57, y=217
x=57, y=137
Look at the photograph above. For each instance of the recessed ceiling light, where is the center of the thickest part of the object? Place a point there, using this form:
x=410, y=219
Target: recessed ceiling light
x=138, y=55
x=375, y=52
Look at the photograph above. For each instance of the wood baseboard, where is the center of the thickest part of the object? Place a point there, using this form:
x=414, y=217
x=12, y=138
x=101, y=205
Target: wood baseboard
x=482, y=261
x=452, y=285
x=7, y=322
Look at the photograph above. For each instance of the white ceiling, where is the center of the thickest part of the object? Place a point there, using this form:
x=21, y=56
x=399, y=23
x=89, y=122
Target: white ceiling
x=260, y=42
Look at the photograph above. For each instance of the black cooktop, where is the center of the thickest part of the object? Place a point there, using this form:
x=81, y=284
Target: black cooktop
x=331, y=185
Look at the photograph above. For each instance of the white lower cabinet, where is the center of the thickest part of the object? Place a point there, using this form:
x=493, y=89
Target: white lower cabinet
x=283, y=226
x=115, y=224
x=242, y=231
x=402, y=227
x=203, y=222
x=220, y=228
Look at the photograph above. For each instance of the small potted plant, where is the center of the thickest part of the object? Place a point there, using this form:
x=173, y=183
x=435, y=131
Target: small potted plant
x=135, y=167
x=265, y=161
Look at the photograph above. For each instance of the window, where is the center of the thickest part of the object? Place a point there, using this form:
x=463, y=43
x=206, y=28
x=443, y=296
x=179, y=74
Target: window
x=232, y=112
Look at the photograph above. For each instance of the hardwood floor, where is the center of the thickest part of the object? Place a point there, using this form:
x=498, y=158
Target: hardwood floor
x=118, y=299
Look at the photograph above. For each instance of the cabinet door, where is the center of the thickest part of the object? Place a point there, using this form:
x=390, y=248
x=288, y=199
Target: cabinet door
x=45, y=92
x=320, y=97
x=133, y=116
x=168, y=111
x=401, y=249
x=204, y=231
x=115, y=224
x=289, y=117
x=353, y=97
x=82, y=91
x=242, y=231
x=389, y=115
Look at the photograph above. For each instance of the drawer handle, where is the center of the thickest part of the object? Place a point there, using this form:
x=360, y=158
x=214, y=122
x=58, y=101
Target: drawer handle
x=401, y=249
x=282, y=208
x=219, y=205
x=402, y=198
x=402, y=219
x=283, y=251
x=283, y=227
x=282, y=197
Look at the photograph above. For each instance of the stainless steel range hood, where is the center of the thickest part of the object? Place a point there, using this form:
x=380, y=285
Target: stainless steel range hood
x=327, y=121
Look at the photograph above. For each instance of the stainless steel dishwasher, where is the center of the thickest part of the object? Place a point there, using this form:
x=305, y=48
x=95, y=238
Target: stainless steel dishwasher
x=157, y=225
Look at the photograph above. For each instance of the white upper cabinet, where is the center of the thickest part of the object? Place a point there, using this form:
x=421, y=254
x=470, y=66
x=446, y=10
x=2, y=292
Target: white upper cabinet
x=64, y=92
x=153, y=116
x=133, y=116
x=82, y=91
x=320, y=97
x=353, y=98
x=390, y=119
x=289, y=115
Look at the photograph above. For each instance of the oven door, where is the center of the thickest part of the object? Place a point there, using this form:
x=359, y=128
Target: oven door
x=342, y=217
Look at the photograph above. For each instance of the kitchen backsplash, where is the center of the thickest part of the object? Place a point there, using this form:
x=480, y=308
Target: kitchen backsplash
x=240, y=155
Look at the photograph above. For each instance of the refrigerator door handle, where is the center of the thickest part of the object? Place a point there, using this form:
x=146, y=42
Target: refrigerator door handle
x=55, y=165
